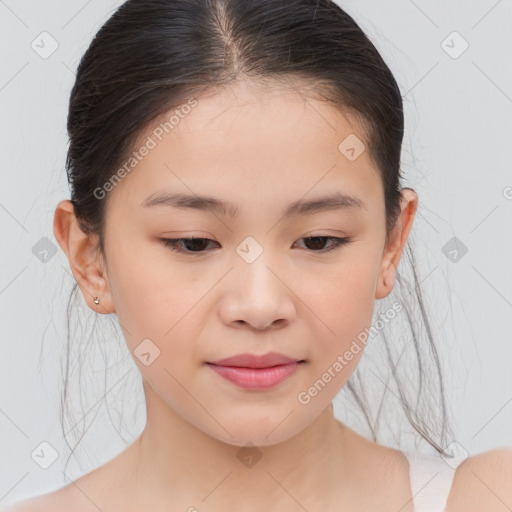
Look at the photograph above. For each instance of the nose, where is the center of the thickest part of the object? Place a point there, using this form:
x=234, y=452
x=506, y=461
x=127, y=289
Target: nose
x=257, y=296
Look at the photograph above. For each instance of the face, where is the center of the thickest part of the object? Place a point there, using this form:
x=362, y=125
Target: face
x=254, y=282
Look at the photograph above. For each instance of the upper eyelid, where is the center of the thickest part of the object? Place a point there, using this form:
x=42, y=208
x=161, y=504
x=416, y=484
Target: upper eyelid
x=186, y=238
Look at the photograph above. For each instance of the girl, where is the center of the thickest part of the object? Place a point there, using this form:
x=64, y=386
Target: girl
x=237, y=204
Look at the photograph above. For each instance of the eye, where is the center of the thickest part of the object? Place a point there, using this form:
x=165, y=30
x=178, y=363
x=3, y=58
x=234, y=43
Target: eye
x=176, y=244
x=315, y=241
x=196, y=245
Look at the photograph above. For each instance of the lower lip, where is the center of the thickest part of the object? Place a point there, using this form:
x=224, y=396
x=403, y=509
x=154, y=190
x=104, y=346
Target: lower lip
x=255, y=378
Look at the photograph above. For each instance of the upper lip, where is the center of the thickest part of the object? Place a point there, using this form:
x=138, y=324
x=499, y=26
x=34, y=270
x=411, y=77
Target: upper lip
x=255, y=360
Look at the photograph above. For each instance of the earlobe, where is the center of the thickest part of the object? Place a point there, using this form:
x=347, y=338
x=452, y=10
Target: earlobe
x=386, y=281
x=84, y=258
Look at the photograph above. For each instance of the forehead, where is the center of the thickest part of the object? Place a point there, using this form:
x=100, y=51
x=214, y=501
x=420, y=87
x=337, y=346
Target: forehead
x=257, y=143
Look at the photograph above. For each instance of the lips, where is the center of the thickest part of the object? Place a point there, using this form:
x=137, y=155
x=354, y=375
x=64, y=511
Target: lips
x=248, y=360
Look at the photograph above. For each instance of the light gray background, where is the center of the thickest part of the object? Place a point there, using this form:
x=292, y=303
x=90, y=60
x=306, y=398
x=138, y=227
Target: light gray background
x=457, y=155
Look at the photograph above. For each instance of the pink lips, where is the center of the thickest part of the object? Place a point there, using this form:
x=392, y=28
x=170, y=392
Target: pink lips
x=253, y=371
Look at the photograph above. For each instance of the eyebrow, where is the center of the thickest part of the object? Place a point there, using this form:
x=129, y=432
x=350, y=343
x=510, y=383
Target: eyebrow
x=330, y=202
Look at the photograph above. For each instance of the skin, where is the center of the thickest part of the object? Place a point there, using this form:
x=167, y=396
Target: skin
x=199, y=308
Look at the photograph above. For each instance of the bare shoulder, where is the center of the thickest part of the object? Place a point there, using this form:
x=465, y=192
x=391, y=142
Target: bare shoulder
x=483, y=482
x=67, y=498
x=52, y=501
x=88, y=493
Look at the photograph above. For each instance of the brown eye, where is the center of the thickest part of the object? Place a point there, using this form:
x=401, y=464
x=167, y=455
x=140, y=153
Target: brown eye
x=192, y=245
x=316, y=243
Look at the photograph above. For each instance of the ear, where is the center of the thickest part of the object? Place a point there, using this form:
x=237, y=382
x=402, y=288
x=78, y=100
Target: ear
x=396, y=243
x=85, y=258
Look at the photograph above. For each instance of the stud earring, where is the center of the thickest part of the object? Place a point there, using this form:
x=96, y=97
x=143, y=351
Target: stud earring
x=96, y=300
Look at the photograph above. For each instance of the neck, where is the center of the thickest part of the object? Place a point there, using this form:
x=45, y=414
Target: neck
x=182, y=467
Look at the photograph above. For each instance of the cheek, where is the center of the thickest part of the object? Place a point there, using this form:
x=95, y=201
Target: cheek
x=161, y=301
x=148, y=292
x=343, y=302
x=345, y=310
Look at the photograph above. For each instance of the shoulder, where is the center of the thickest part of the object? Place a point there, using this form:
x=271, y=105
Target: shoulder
x=483, y=482
x=43, y=503
x=88, y=493
x=61, y=500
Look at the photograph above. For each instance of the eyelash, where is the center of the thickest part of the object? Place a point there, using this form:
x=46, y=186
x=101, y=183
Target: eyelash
x=172, y=243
